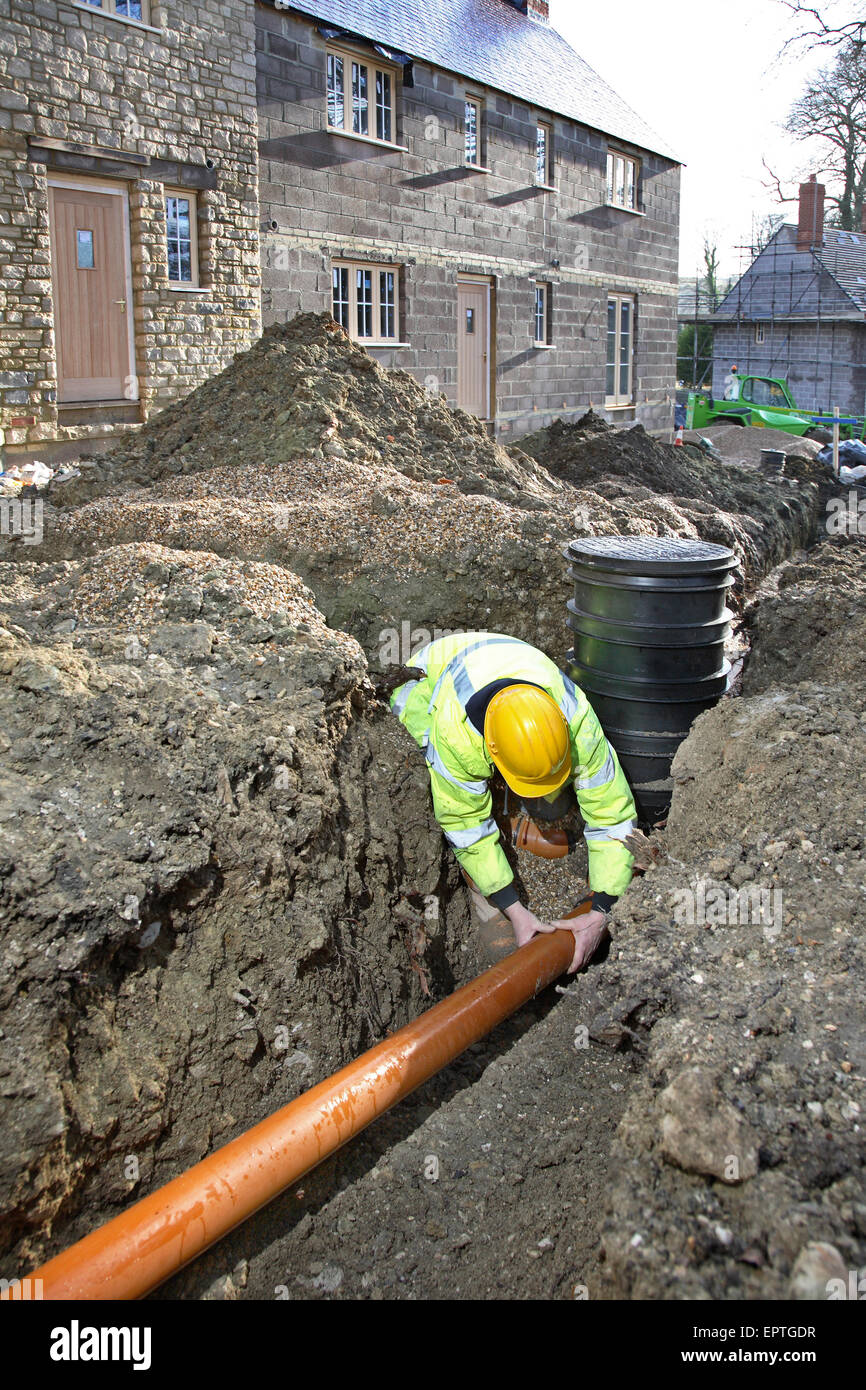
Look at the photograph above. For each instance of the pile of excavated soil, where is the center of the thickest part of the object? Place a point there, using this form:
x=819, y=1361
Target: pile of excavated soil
x=400, y=514
x=220, y=875
x=811, y=619
x=741, y=1151
x=590, y=448
x=743, y=443
x=306, y=391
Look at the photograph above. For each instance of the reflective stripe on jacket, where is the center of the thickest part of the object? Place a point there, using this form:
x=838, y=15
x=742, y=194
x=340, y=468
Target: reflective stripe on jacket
x=433, y=709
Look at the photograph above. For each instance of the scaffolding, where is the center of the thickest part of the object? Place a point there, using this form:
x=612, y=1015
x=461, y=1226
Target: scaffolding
x=791, y=296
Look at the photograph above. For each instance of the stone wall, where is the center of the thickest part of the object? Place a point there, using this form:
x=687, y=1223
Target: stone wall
x=327, y=196
x=169, y=102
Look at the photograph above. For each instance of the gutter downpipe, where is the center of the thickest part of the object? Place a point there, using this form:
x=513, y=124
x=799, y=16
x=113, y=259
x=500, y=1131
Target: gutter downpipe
x=139, y=1249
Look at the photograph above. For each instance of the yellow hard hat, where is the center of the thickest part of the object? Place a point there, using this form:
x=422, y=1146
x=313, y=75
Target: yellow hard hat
x=527, y=738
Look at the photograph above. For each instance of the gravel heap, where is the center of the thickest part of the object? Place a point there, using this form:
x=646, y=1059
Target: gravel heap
x=344, y=515
x=395, y=509
x=306, y=391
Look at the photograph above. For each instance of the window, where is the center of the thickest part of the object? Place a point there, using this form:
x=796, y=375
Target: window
x=472, y=131
x=543, y=163
x=620, y=349
x=126, y=9
x=360, y=96
x=759, y=333
x=622, y=179
x=542, y=314
x=84, y=248
x=365, y=301
x=181, y=239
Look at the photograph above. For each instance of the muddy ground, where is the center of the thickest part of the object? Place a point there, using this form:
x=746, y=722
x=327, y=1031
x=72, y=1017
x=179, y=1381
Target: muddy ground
x=397, y=510
x=220, y=876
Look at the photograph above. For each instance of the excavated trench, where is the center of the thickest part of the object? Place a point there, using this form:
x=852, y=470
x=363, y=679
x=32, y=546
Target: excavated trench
x=221, y=878
x=579, y=1151
x=278, y=899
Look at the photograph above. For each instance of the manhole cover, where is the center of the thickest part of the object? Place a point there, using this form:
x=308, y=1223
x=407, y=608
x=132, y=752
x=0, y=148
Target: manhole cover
x=651, y=555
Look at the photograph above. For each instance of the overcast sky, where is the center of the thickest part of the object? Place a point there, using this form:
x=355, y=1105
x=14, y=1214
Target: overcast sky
x=708, y=78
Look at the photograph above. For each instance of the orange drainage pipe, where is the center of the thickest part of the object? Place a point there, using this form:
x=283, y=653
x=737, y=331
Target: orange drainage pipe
x=138, y=1250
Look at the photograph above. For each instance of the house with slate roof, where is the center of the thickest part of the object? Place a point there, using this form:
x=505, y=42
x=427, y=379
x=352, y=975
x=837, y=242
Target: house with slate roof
x=129, y=229
x=472, y=202
x=800, y=312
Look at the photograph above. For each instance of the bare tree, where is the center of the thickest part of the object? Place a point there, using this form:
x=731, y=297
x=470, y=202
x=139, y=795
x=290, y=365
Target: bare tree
x=764, y=228
x=711, y=273
x=832, y=112
x=831, y=25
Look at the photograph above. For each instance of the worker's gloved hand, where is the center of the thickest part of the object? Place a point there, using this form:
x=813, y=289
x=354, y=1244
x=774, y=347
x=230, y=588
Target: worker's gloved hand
x=525, y=923
x=589, y=930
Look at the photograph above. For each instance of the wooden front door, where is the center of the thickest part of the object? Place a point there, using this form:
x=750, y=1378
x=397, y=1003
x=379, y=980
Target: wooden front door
x=89, y=263
x=474, y=364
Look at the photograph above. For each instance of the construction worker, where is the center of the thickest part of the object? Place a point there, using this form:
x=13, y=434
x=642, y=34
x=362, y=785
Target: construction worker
x=731, y=384
x=483, y=701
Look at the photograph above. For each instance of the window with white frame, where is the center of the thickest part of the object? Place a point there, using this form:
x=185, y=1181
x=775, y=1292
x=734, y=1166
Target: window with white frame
x=473, y=124
x=620, y=349
x=543, y=154
x=181, y=239
x=361, y=96
x=126, y=9
x=365, y=300
x=622, y=181
x=542, y=314
x=759, y=333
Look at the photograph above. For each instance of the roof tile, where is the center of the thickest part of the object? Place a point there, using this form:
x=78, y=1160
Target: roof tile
x=491, y=42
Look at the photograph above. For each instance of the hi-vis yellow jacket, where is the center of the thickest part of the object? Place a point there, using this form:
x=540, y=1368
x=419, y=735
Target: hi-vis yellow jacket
x=433, y=709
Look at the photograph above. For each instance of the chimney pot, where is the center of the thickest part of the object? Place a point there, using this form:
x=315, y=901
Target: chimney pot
x=810, y=226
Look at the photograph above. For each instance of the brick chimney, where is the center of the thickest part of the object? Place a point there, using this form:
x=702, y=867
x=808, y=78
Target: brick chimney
x=539, y=10
x=810, y=228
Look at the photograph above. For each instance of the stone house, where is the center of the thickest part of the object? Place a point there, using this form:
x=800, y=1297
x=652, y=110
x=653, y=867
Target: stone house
x=129, y=253
x=799, y=312
x=473, y=203
x=446, y=176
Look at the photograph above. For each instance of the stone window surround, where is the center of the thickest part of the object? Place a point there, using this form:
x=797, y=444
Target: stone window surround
x=98, y=162
x=478, y=164
x=121, y=18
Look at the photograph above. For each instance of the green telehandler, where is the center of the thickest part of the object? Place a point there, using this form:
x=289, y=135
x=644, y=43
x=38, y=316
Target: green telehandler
x=767, y=402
